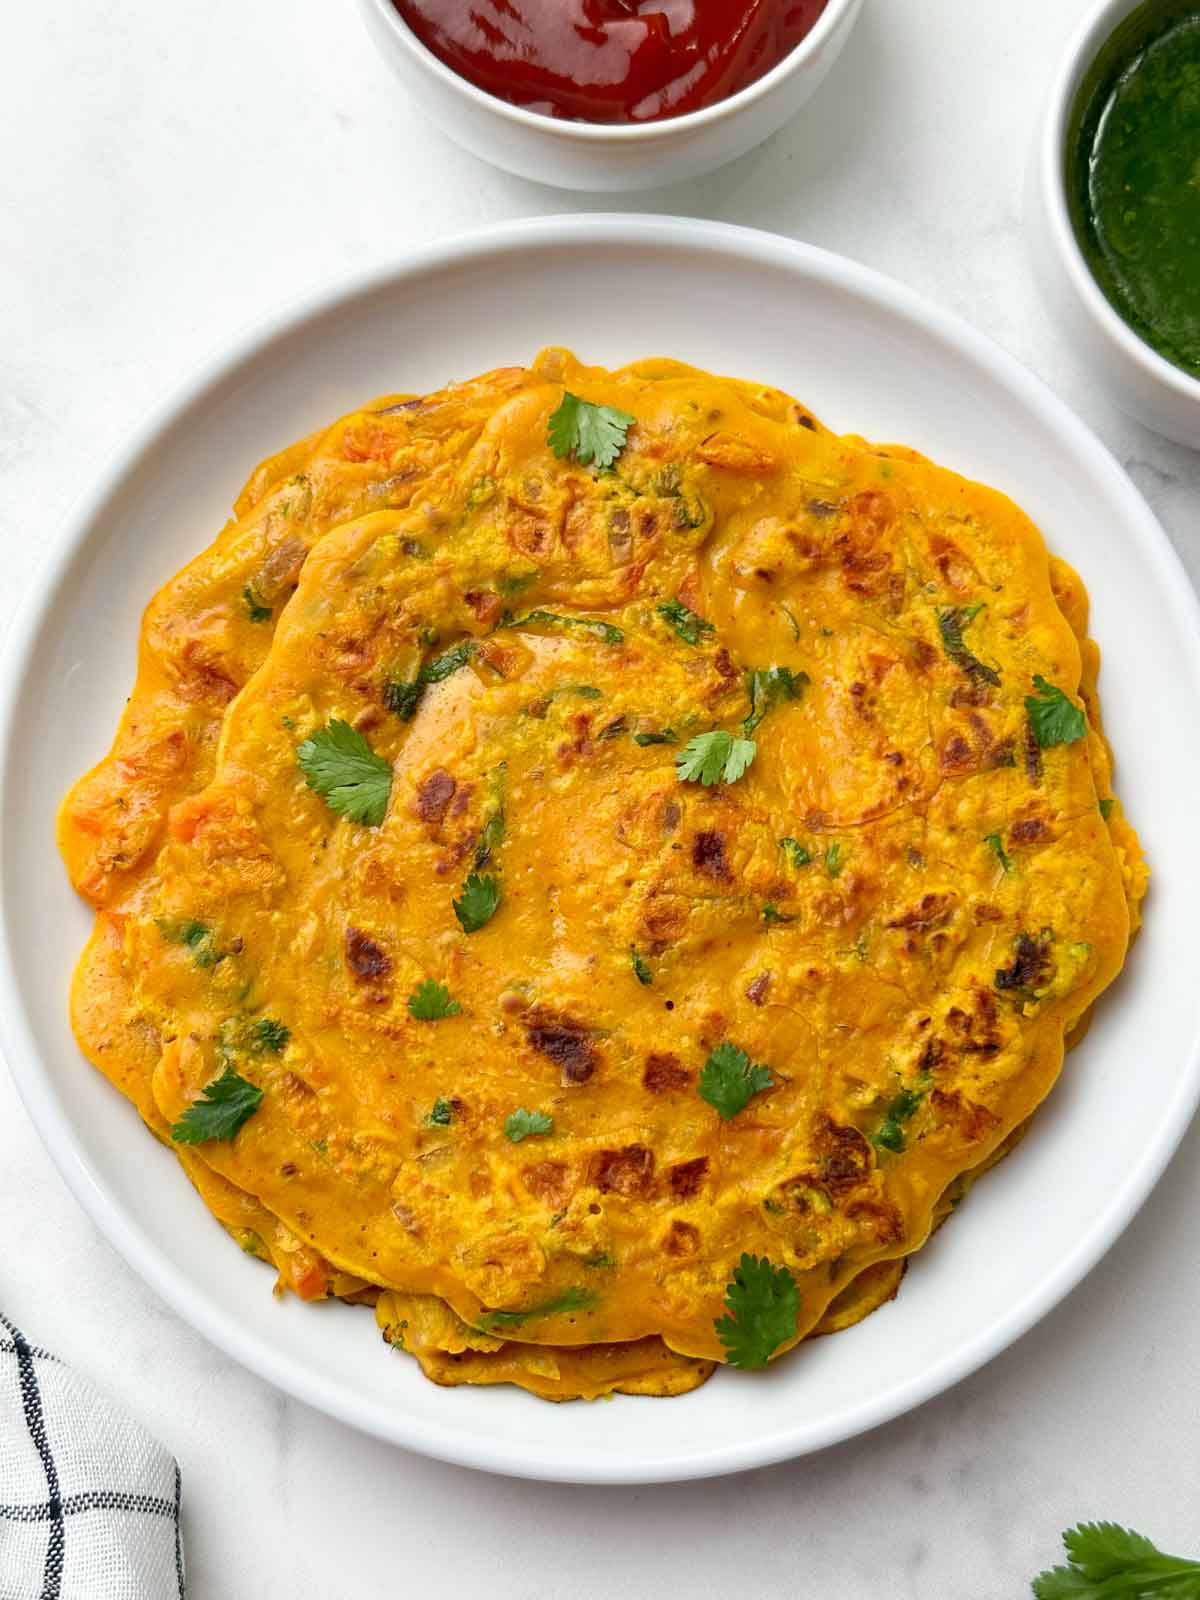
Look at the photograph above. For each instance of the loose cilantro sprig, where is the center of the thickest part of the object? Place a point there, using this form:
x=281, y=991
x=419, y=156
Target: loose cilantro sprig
x=254, y=606
x=951, y=622
x=521, y=1124
x=403, y=698
x=478, y=903
x=716, y=757
x=606, y=632
x=594, y=435
x=730, y=1080
x=996, y=845
x=684, y=620
x=227, y=1102
x=569, y=1300
x=268, y=1034
x=197, y=936
x=770, y=686
x=890, y=1133
x=763, y=1303
x=1053, y=717
x=343, y=769
x=430, y=1001
x=1108, y=1562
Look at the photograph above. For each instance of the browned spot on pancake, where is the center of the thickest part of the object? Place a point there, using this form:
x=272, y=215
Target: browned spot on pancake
x=682, y=1239
x=485, y=603
x=1033, y=755
x=202, y=677
x=1031, y=966
x=708, y=856
x=933, y=910
x=756, y=993
x=364, y=957
x=923, y=655
x=957, y=754
x=686, y=1177
x=970, y=1119
x=564, y=1042
x=848, y=1156
x=628, y=1172
x=434, y=794
x=1030, y=830
x=549, y=1182
x=664, y=918
x=664, y=1073
x=880, y=1216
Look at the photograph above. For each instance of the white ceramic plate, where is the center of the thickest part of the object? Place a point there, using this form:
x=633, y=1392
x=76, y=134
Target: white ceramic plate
x=869, y=357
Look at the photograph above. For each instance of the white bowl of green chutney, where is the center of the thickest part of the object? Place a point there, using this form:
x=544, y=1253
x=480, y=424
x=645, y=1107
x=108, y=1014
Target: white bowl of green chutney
x=1114, y=206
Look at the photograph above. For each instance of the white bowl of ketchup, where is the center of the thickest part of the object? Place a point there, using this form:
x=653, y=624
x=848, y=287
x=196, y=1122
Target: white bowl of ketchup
x=610, y=94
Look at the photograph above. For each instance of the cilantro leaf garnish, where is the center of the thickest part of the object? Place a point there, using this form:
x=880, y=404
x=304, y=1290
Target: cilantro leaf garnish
x=640, y=970
x=226, y=1103
x=763, y=1303
x=604, y=631
x=403, y=698
x=343, y=769
x=801, y=855
x=772, y=913
x=268, y=1034
x=1054, y=718
x=730, y=1080
x=716, y=757
x=951, y=622
x=258, y=612
x=833, y=860
x=592, y=434
x=478, y=902
x=569, y=1300
x=1106, y=806
x=490, y=835
x=767, y=687
x=890, y=1133
x=685, y=621
x=1108, y=1562
x=430, y=1001
x=665, y=736
x=521, y=1124
x=197, y=936
x=441, y=1113
x=996, y=845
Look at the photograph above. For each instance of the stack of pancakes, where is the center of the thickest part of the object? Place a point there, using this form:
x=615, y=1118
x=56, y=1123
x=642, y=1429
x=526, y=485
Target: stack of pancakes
x=903, y=909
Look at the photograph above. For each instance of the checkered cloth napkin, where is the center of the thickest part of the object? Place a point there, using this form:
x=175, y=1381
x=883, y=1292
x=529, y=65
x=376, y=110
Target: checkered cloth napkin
x=89, y=1502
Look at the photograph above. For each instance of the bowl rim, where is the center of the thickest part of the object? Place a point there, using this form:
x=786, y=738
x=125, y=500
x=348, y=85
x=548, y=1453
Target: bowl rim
x=617, y=133
x=21, y=1049
x=1085, y=44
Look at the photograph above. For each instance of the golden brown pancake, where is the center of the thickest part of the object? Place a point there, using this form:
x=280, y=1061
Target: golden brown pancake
x=899, y=910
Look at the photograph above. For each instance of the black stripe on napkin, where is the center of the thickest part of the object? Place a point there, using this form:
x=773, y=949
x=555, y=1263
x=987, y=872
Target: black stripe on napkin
x=35, y=1421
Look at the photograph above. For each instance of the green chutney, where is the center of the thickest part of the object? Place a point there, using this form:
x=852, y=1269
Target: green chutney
x=1133, y=175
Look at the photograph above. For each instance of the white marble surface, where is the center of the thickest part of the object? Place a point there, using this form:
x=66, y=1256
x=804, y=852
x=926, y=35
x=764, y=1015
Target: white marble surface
x=174, y=171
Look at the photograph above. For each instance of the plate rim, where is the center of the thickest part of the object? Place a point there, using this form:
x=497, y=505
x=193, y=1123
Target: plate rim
x=18, y=1041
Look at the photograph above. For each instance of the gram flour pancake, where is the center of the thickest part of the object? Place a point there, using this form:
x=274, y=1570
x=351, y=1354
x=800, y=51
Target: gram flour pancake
x=898, y=911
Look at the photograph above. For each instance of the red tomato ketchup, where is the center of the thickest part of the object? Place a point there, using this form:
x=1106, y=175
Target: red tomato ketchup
x=611, y=60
